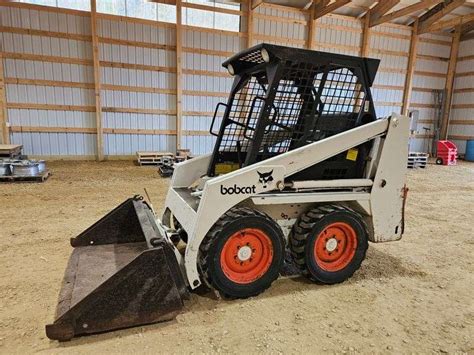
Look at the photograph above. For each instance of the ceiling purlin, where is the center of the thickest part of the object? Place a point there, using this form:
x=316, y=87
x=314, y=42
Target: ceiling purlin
x=436, y=13
x=406, y=11
x=467, y=27
x=381, y=9
x=325, y=8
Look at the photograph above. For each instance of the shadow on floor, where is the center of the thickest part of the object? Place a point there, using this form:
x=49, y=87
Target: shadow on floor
x=377, y=265
x=381, y=265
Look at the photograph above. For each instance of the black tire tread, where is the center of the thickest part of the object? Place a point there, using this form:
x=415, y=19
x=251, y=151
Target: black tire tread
x=301, y=229
x=229, y=217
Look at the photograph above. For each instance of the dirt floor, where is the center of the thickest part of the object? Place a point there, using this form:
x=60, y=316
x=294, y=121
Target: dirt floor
x=415, y=295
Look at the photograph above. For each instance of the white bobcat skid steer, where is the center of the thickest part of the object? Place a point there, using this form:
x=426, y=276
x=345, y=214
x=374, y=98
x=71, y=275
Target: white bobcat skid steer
x=300, y=163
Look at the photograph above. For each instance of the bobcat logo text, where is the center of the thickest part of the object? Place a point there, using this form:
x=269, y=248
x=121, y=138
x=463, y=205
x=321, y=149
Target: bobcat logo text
x=263, y=178
x=238, y=190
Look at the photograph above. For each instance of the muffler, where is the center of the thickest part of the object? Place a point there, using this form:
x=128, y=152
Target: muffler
x=122, y=273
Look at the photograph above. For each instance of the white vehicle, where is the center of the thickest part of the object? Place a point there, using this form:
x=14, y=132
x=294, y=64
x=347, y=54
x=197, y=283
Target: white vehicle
x=300, y=164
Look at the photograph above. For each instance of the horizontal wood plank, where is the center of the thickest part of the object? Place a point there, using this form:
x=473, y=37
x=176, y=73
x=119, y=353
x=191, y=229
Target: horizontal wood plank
x=149, y=111
x=262, y=37
x=206, y=73
x=462, y=122
x=222, y=10
x=46, y=58
x=435, y=41
x=463, y=106
x=34, y=32
x=429, y=73
x=460, y=137
x=157, y=68
x=213, y=31
x=123, y=42
x=388, y=52
x=87, y=130
x=39, y=82
x=280, y=19
x=432, y=57
x=50, y=107
x=463, y=90
x=469, y=73
x=466, y=57
x=44, y=129
x=145, y=89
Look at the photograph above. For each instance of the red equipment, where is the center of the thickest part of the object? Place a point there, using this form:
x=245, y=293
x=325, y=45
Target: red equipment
x=447, y=153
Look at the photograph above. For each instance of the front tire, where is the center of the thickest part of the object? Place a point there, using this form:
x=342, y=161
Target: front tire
x=329, y=243
x=242, y=254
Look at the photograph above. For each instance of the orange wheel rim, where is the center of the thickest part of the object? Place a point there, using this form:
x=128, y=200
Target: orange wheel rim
x=335, y=246
x=246, y=255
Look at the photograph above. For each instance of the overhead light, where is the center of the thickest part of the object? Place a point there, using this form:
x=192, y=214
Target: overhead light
x=230, y=69
x=265, y=55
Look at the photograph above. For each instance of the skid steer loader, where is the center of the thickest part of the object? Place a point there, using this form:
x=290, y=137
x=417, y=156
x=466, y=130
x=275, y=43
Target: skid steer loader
x=301, y=166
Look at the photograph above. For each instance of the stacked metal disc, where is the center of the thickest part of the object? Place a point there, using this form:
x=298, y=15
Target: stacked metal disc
x=22, y=167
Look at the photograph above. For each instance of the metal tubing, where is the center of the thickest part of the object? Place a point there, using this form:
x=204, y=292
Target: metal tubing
x=326, y=184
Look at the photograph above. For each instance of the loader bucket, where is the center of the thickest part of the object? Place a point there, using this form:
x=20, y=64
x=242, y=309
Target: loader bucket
x=121, y=273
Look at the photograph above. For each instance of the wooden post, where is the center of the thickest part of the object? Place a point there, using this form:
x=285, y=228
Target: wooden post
x=249, y=24
x=244, y=93
x=364, y=50
x=311, y=27
x=410, y=70
x=3, y=107
x=179, y=72
x=453, y=59
x=96, y=60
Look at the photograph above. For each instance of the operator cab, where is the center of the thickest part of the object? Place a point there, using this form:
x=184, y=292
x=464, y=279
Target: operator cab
x=285, y=98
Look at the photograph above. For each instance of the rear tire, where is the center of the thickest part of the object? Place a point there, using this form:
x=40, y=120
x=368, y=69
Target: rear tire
x=242, y=254
x=329, y=243
x=439, y=161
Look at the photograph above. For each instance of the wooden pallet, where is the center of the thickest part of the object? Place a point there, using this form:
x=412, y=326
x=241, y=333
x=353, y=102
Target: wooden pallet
x=15, y=178
x=10, y=151
x=152, y=158
x=417, y=160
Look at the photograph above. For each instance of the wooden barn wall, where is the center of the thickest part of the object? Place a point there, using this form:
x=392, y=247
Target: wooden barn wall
x=205, y=83
x=47, y=56
x=390, y=44
x=461, y=126
x=431, y=69
x=138, y=76
x=48, y=76
x=277, y=25
x=338, y=34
